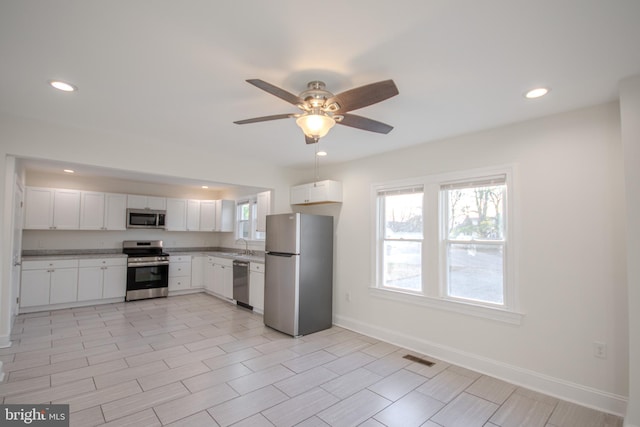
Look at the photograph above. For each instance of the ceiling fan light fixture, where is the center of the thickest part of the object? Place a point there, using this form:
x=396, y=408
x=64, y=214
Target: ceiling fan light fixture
x=315, y=125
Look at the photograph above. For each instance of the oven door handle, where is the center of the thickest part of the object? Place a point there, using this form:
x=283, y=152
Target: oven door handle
x=149, y=264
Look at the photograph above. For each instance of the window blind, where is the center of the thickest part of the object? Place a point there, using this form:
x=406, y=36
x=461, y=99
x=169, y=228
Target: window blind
x=482, y=182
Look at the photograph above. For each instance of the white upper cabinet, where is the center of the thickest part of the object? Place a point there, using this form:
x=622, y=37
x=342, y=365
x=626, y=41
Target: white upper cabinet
x=316, y=192
x=60, y=209
x=217, y=215
x=176, y=219
x=207, y=215
x=52, y=209
x=193, y=215
x=102, y=211
x=39, y=208
x=264, y=209
x=66, y=210
x=146, y=202
x=91, y=210
x=225, y=215
x=115, y=211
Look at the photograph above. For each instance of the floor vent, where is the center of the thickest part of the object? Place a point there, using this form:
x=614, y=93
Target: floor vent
x=419, y=360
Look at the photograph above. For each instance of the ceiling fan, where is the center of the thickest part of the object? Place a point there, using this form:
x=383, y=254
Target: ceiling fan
x=322, y=109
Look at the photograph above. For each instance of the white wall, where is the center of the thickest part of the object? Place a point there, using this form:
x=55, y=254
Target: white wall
x=630, y=112
x=570, y=266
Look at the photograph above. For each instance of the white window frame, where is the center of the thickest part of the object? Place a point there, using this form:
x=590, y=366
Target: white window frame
x=434, y=293
x=474, y=182
x=254, y=236
x=381, y=236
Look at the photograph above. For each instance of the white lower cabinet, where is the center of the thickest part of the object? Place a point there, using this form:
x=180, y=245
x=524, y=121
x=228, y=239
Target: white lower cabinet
x=48, y=282
x=102, y=278
x=208, y=274
x=219, y=276
x=35, y=287
x=69, y=281
x=179, y=273
x=64, y=285
x=90, y=280
x=256, y=286
x=197, y=271
x=115, y=280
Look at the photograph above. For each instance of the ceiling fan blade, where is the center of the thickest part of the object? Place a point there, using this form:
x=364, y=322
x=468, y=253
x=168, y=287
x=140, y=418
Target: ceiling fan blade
x=364, y=95
x=274, y=90
x=264, y=118
x=364, y=123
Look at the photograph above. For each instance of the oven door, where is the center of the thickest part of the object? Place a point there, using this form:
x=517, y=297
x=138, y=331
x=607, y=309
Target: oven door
x=149, y=281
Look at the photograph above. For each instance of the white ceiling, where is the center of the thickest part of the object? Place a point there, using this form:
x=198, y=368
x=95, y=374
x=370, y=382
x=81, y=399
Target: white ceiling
x=175, y=71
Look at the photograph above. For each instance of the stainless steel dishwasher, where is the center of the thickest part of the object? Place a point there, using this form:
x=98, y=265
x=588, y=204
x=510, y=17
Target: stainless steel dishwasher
x=241, y=283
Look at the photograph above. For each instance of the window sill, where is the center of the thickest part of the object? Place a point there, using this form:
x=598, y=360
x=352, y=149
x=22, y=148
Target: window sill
x=496, y=314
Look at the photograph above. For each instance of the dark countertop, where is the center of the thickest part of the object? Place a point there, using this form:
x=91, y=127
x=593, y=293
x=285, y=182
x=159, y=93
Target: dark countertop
x=34, y=255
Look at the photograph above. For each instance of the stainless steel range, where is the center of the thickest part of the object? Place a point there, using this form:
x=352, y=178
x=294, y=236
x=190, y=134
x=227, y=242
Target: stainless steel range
x=147, y=269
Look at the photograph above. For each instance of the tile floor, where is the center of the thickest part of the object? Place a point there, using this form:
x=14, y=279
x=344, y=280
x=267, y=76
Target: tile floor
x=195, y=360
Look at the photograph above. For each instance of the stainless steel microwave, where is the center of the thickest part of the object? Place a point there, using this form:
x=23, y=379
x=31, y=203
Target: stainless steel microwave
x=145, y=218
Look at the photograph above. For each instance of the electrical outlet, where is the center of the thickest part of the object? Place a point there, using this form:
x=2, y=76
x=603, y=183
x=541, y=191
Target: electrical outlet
x=600, y=350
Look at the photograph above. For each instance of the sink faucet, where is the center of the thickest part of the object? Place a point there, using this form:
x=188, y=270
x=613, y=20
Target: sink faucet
x=246, y=245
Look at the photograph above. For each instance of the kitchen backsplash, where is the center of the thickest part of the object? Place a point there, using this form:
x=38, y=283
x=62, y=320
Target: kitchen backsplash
x=59, y=239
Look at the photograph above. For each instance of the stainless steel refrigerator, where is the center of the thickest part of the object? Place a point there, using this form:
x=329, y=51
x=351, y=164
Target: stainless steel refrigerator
x=298, y=288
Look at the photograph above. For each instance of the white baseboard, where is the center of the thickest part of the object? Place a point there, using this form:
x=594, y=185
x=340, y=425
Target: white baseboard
x=562, y=389
x=5, y=341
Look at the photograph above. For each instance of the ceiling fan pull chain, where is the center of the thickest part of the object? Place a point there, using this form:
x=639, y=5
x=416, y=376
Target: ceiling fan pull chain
x=317, y=163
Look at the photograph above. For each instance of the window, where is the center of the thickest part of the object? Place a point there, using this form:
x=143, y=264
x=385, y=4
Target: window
x=246, y=217
x=474, y=239
x=401, y=235
x=443, y=240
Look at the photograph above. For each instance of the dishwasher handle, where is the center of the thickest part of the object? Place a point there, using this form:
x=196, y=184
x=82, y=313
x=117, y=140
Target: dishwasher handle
x=237, y=263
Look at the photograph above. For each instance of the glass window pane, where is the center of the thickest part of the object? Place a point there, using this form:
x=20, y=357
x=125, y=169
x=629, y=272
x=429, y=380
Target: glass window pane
x=476, y=272
x=476, y=213
x=402, y=265
x=243, y=230
x=244, y=211
x=403, y=216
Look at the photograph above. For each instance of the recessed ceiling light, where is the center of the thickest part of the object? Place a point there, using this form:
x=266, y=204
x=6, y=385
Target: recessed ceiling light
x=69, y=171
x=205, y=187
x=63, y=86
x=536, y=93
x=321, y=153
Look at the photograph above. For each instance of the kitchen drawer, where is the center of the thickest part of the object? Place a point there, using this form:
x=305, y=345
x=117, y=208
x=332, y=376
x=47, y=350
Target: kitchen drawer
x=227, y=262
x=49, y=264
x=179, y=283
x=257, y=267
x=103, y=262
x=178, y=269
x=179, y=258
